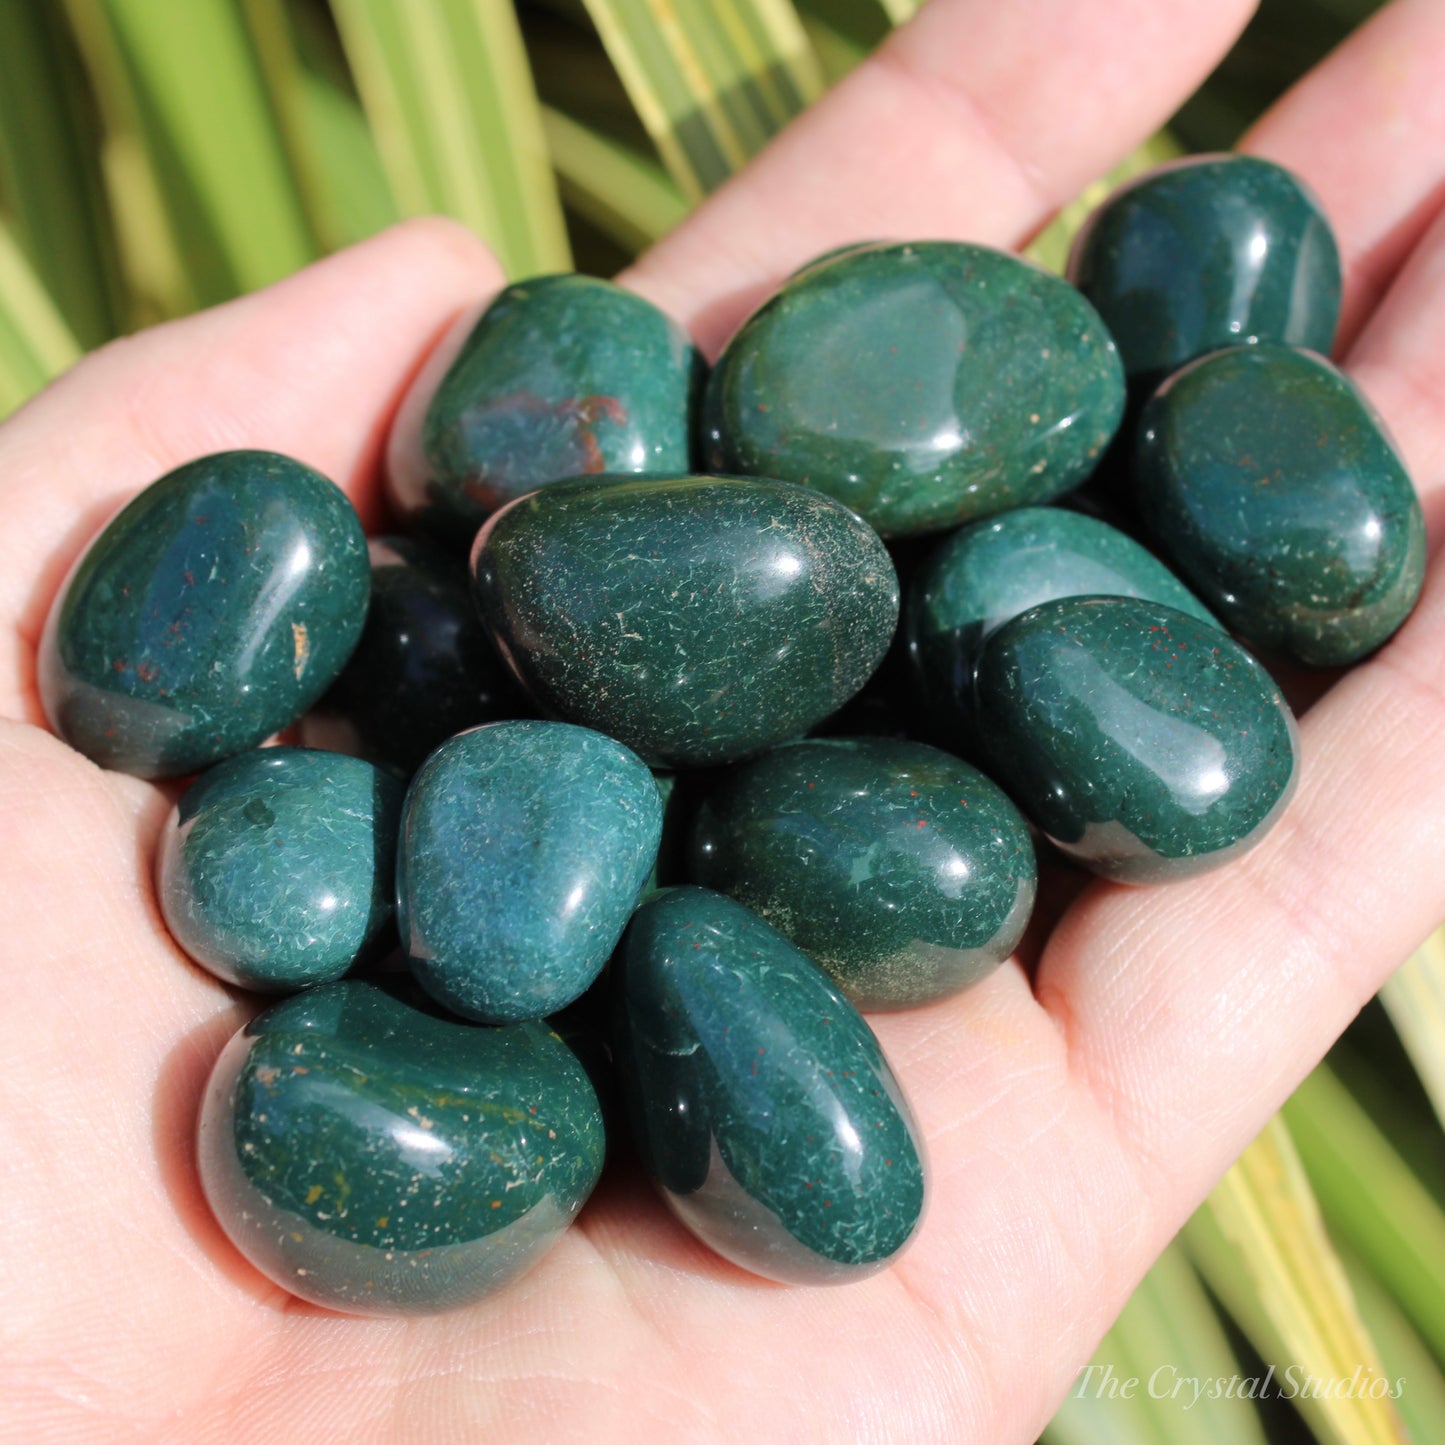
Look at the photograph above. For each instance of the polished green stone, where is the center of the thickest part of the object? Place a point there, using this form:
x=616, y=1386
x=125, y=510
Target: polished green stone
x=370, y=1155
x=903, y=872
x=276, y=870
x=922, y=385
x=524, y=848
x=424, y=668
x=210, y=613
x=698, y=619
x=1142, y=741
x=761, y=1102
x=988, y=572
x=562, y=376
x=1208, y=252
x=1265, y=476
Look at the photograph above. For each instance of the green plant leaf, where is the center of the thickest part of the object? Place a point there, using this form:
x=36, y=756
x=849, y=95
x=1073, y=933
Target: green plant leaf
x=626, y=195
x=182, y=92
x=1138, y=1389
x=1415, y=1000
x=712, y=83
x=50, y=173
x=1372, y=1199
x=449, y=95
x=1280, y=1272
x=35, y=343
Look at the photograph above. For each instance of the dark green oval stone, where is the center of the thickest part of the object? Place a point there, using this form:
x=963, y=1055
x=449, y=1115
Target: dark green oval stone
x=371, y=1156
x=984, y=574
x=698, y=619
x=524, y=848
x=900, y=870
x=211, y=612
x=562, y=376
x=424, y=668
x=762, y=1105
x=1208, y=252
x=922, y=385
x=277, y=868
x=1266, y=477
x=1144, y=742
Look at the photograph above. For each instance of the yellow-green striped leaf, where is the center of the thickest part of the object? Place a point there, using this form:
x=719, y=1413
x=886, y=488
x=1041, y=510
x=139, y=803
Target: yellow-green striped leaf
x=1261, y=1245
x=1415, y=1000
x=711, y=82
x=449, y=95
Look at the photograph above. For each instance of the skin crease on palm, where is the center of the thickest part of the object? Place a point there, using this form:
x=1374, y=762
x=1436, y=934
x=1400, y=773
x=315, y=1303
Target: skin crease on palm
x=1077, y=1106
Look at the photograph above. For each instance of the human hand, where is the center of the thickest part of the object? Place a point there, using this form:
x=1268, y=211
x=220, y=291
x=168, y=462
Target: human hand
x=1076, y=1105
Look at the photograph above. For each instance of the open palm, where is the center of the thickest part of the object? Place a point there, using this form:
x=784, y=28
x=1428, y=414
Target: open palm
x=1075, y=1111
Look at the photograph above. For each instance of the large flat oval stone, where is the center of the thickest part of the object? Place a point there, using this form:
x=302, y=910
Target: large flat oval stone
x=923, y=385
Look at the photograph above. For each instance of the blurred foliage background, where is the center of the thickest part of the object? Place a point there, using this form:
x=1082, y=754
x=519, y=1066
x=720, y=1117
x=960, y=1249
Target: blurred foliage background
x=161, y=155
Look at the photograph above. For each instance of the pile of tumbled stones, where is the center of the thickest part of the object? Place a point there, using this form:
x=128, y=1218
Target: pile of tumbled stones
x=629, y=823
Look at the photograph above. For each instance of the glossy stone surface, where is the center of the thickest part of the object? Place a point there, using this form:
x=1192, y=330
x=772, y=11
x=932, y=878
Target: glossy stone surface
x=1266, y=477
x=922, y=385
x=698, y=619
x=562, y=376
x=211, y=612
x=276, y=869
x=370, y=1155
x=761, y=1102
x=1207, y=252
x=1144, y=742
x=984, y=574
x=424, y=668
x=903, y=872
x=524, y=848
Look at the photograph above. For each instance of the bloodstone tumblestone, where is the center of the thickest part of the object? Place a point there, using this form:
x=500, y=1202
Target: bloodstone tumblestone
x=1145, y=743
x=923, y=385
x=984, y=574
x=903, y=872
x=371, y=1156
x=524, y=848
x=1266, y=478
x=216, y=608
x=424, y=669
x=698, y=619
x=1208, y=252
x=761, y=1102
x=562, y=376
x=277, y=868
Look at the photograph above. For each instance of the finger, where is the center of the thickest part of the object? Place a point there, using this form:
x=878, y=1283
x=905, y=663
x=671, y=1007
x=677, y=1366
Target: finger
x=1195, y=1009
x=1396, y=360
x=1367, y=130
x=313, y=366
x=962, y=124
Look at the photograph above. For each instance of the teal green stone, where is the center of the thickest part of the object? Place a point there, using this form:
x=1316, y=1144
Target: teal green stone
x=1212, y=251
x=986, y=573
x=1145, y=743
x=922, y=385
x=276, y=869
x=697, y=619
x=424, y=668
x=762, y=1105
x=901, y=871
x=1265, y=476
x=562, y=376
x=373, y=1156
x=524, y=849
x=209, y=614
